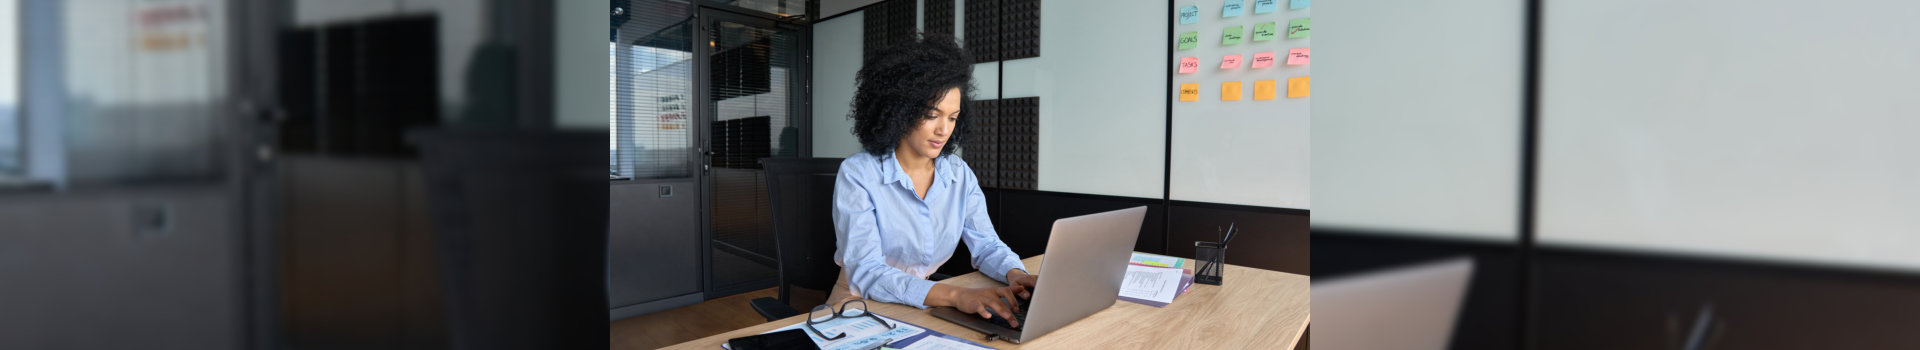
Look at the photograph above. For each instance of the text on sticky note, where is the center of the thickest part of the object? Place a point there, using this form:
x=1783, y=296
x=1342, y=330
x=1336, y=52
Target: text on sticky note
x=1231, y=35
x=1230, y=91
x=1189, y=15
x=1190, y=92
x=1231, y=8
x=1297, y=57
x=1298, y=28
x=1299, y=87
x=1262, y=60
x=1189, y=64
x=1189, y=39
x=1263, y=90
x=1265, y=6
x=1264, y=31
x=1230, y=62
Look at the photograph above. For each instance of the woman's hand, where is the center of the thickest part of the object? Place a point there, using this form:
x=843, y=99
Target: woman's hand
x=983, y=301
x=1024, y=281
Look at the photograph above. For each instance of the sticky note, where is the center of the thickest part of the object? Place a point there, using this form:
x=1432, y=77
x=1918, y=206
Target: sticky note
x=1231, y=8
x=1230, y=91
x=1189, y=15
x=1190, y=92
x=1189, y=39
x=1297, y=57
x=1189, y=64
x=1230, y=62
x=1263, y=90
x=1298, y=28
x=1299, y=4
x=1265, y=6
x=1299, y=87
x=1263, y=59
x=1264, y=31
x=1231, y=35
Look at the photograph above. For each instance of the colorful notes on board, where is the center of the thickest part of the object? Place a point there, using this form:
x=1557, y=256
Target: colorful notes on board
x=1190, y=92
x=1262, y=60
x=1265, y=6
x=1298, y=28
x=1189, y=39
x=1230, y=91
x=1264, y=31
x=1231, y=35
x=1263, y=90
x=1189, y=15
x=1231, y=8
x=1297, y=57
x=1299, y=4
x=1189, y=64
x=1299, y=87
x=1230, y=62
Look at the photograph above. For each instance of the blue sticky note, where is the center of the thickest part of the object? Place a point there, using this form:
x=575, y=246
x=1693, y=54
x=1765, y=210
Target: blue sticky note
x=1189, y=15
x=1299, y=4
x=1231, y=8
x=1265, y=6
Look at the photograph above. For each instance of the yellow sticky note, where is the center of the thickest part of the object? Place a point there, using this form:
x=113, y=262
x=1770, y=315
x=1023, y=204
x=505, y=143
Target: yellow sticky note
x=1263, y=90
x=1299, y=87
x=1190, y=92
x=1230, y=91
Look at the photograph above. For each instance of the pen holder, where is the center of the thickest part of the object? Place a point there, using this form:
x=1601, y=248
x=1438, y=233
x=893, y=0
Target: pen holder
x=1212, y=260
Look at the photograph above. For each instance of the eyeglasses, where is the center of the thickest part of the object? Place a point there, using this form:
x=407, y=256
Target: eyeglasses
x=825, y=313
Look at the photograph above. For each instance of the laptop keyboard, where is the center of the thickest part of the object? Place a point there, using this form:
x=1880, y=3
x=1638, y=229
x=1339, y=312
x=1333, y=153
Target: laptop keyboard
x=1017, y=315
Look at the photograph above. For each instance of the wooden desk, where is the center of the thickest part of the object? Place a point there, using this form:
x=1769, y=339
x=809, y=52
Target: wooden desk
x=1255, y=309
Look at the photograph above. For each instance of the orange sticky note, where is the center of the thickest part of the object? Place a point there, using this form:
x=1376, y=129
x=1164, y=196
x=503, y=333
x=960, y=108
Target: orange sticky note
x=1263, y=90
x=1299, y=87
x=1263, y=59
x=1230, y=91
x=1190, y=92
x=1189, y=64
x=1230, y=62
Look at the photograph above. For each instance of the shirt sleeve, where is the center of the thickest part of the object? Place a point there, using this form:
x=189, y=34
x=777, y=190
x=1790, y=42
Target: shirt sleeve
x=859, y=247
x=990, y=255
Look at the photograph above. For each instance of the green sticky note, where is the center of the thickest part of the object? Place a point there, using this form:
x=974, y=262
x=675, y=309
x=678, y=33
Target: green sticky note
x=1231, y=35
x=1264, y=31
x=1298, y=28
x=1189, y=39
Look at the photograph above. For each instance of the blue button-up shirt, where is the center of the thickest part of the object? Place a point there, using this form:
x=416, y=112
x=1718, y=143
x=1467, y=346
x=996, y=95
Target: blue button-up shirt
x=890, y=239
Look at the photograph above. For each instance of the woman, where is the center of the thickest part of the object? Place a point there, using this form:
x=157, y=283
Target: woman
x=902, y=204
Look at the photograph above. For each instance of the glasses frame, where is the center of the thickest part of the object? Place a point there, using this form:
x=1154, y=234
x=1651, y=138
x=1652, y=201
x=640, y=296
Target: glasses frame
x=840, y=313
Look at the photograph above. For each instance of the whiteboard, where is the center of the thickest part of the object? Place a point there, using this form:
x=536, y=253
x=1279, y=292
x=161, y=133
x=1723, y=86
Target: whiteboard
x=1246, y=152
x=1102, y=117
x=1764, y=129
x=1417, y=131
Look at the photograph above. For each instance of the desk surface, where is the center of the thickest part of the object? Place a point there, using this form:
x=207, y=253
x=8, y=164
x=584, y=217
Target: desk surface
x=1255, y=309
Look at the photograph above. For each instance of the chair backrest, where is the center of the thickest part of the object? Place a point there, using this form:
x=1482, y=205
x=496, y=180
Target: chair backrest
x=800, y=192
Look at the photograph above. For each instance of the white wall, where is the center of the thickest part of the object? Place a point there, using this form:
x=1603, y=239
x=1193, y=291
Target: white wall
x=836, y=58
x=1762, y=129
x=1100, y=78
x=1417, y=130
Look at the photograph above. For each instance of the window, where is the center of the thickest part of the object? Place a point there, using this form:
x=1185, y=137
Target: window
x=650, y=86
x=12, y=134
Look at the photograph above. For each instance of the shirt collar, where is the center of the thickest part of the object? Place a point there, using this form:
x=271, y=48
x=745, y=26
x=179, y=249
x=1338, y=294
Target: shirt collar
x=942, y=164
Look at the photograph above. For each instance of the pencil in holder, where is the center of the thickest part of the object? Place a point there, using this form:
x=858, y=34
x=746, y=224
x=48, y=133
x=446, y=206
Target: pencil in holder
x=1212, y=258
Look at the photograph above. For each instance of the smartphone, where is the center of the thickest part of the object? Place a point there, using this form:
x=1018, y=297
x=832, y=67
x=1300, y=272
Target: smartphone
x=791, y=339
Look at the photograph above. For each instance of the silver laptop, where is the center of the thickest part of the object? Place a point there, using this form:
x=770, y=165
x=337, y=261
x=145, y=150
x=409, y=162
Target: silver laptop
x=1400, y=308
x=1081, y=274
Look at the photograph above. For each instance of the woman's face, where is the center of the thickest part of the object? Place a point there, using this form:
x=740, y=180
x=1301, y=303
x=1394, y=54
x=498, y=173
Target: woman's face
x=935, y=127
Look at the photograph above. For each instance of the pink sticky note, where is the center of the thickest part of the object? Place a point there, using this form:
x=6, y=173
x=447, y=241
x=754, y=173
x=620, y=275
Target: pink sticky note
x=1230, y=62
x=1262, y=60
x=1189, y=64
x=1297, y=57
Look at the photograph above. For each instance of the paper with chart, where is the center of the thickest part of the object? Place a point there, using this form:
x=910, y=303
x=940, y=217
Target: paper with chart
x=862, y=332
x=1150, y=283
x=940, y=343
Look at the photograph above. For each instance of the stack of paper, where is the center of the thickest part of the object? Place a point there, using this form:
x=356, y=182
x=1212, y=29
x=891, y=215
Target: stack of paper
x=1155, y=280
x=863, y=333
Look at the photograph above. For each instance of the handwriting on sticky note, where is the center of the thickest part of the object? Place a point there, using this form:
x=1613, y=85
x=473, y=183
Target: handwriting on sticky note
x=1264, y=31
x=1262, y=60
x=1297, y=57
x=1263, y=90
x=1299, y=87
x=1189, y=39
x=1230, y=62
x=1265, y=6
x=1298, y=28
x=1231, y=35
x=1189, y=15
x=1231, y=8
x=1190, y=92
x=1230, y=91
x=1189, y=64
x=1299, y=4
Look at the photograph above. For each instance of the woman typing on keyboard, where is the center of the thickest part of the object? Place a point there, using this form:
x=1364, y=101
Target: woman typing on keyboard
x=903, y=203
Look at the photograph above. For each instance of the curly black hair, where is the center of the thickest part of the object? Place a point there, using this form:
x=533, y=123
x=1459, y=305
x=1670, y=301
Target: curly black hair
x=898, y=85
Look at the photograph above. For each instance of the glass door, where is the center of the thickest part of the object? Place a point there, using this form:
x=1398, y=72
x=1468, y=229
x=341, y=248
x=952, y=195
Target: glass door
x=752, y=108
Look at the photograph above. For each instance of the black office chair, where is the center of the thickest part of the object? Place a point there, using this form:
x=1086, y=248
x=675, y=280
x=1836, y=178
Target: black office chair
x=800, y=192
